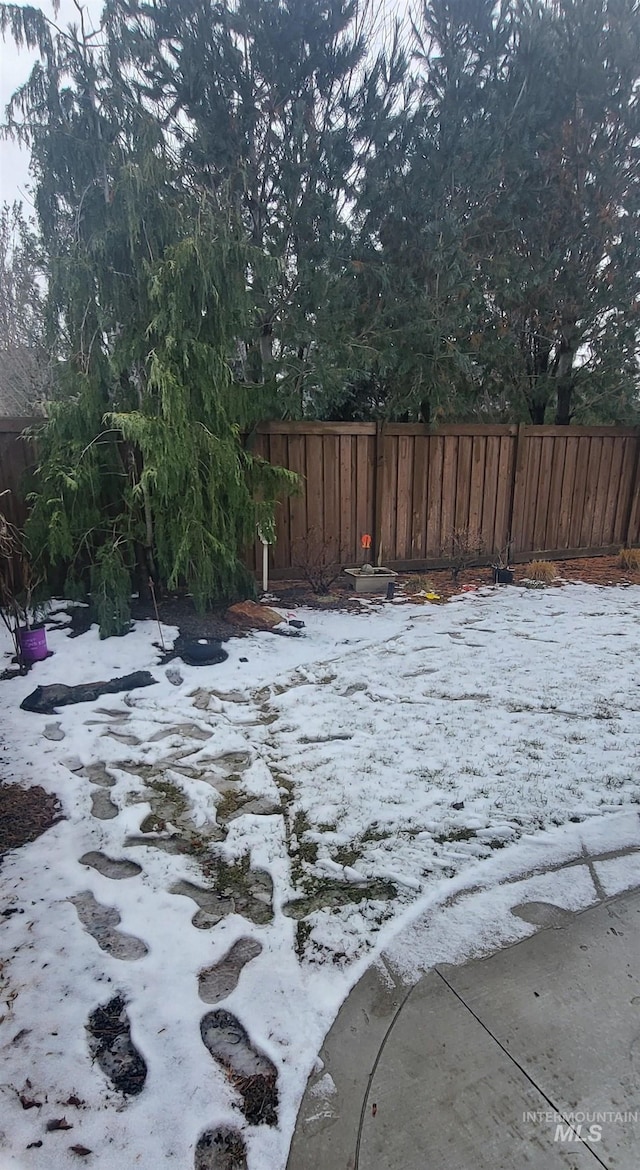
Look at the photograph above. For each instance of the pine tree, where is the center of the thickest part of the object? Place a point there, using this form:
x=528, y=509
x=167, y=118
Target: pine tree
x=283, y=101
x=559, y=257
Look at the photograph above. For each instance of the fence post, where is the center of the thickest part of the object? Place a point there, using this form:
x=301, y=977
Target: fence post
x=516, y=502
x=378, y=487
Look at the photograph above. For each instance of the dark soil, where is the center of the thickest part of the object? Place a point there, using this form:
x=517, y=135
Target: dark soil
x=25, y=813
x=259, y=1098
x=179, y=610
x=221, y=1149
x=111, y=1045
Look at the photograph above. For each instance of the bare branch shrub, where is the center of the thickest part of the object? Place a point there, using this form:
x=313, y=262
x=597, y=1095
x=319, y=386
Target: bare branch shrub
x=314, y=556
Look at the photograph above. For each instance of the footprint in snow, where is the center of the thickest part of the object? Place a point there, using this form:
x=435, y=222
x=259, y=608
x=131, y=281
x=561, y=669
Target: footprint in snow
x=220, y=1149
x=249, y=1070
x=111, y=1046
x=216, y=983
x=235, y=891
x=101, y=923
x=102, y=806
x=111, y=867
x=97, y=774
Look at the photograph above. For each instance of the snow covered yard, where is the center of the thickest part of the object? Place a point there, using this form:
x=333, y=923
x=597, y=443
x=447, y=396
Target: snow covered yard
x=237, y=848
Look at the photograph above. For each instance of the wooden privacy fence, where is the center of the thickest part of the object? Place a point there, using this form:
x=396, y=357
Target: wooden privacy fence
x=17, y=456
x=548, y=490
x=553, y=491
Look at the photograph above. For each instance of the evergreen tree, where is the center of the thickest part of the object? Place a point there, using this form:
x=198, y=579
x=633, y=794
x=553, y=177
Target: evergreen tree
x=141, y=468
x=284, y=102
x=559, y=258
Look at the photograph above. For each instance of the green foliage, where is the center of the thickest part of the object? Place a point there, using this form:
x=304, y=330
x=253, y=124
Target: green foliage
x=111, y=590
x=142, y=472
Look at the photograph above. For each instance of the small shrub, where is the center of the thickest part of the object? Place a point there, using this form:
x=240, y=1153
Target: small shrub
x=315, y=558
x=541, y=571
x=629, y=558
x=463, y=548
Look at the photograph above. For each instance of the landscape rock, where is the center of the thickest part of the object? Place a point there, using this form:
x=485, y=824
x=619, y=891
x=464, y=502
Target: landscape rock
x=252, y=616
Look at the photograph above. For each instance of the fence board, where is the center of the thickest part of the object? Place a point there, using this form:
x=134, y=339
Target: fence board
x=613, y=491
x=463, y=484
x=277, y=452
x=558, y=456
x=298, y=523
x=331, y=494
x=503, y=528
x=602, y=488
x=566, y=499
x=404, y=498
x=420, y=497
x=632, y=534
x=541, y=521
x=489, y=493
x=435, y=462
x=629, y=462
x=347, y=537
x=389, y=495
x=476, y=484
x=591, y=484
x=17, y=459
x=534, y=444
x=449, y=478
x=579, y=491
x=519, y=490
x=316, y=487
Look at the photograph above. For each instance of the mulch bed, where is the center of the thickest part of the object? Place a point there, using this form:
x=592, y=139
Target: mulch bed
x=590, y=570
x=179, y=610
x=25, y=813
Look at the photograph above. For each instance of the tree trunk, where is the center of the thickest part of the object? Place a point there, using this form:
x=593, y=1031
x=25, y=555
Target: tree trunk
x=142, y=575
x=564, y=382
x=563, y=408
x=537, y=412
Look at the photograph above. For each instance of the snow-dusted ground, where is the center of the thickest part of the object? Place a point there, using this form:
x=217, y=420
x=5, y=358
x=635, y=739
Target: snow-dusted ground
x=314, y=800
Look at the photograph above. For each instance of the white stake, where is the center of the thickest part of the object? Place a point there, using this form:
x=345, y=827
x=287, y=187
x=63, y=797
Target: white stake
x=265, y=567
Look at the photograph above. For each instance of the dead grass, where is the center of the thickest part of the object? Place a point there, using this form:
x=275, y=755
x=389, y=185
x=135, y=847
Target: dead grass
x=629, y=558
x=418, y=584
x=541, y=571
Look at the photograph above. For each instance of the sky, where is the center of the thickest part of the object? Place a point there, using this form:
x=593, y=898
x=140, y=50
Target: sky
x=15, y=66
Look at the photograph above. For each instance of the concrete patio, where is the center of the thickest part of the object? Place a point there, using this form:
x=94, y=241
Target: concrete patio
x=473, y=1065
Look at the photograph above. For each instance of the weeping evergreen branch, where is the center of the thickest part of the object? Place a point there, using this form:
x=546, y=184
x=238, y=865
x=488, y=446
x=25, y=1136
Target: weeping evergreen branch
x=142, y=471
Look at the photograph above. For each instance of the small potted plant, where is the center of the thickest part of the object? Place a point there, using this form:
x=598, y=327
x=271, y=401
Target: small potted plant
x=21, y=613
x=502, y=570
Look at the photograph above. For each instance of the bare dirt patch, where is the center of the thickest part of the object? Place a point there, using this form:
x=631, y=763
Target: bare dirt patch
x=25, y=813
